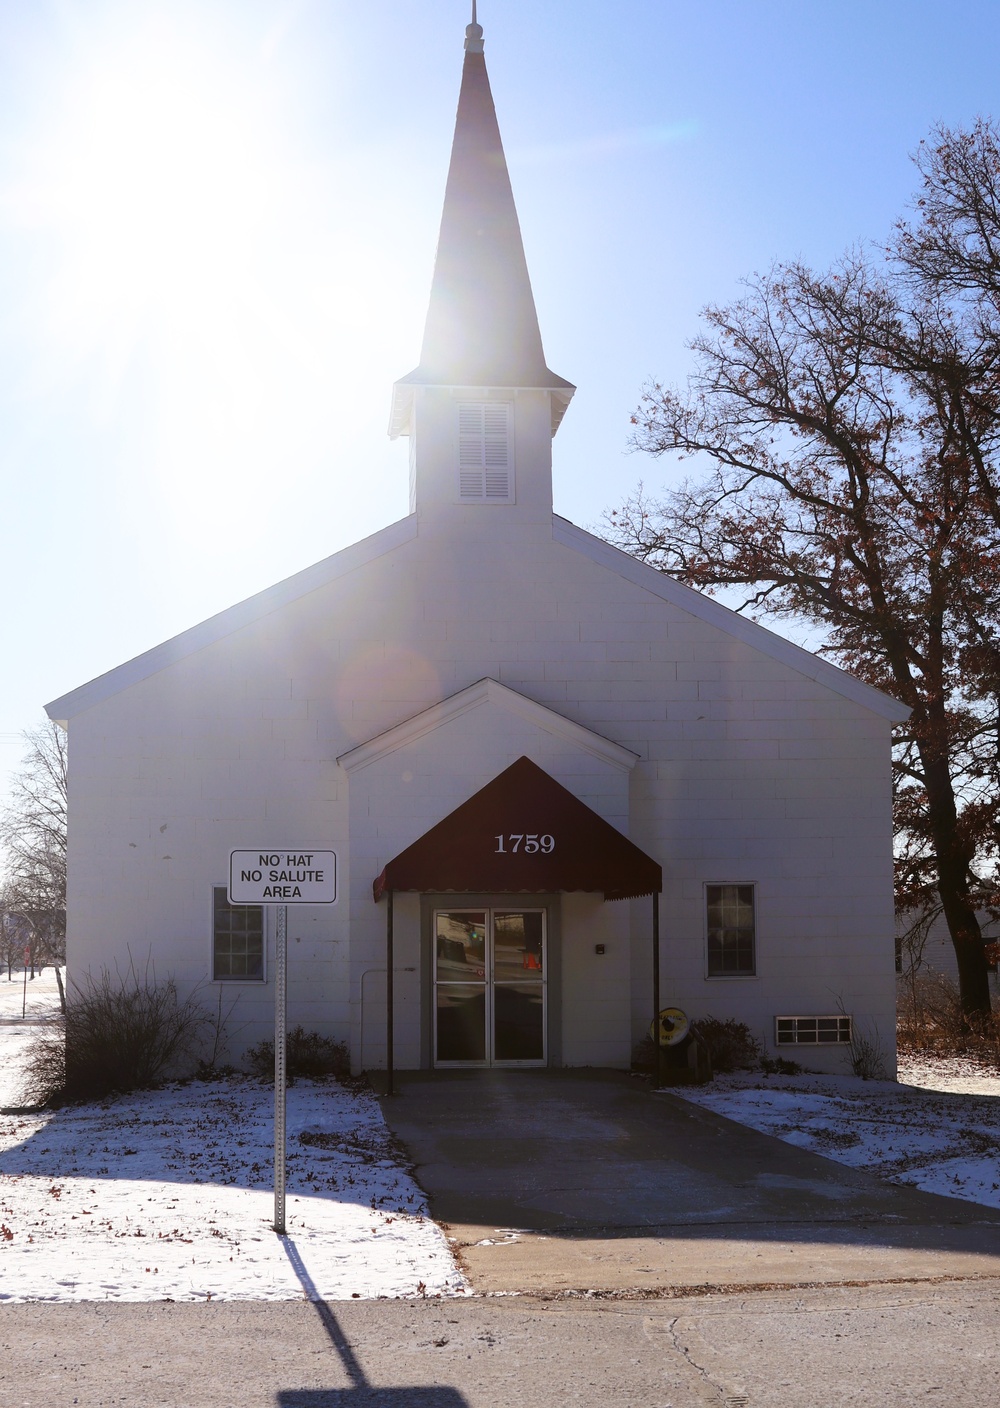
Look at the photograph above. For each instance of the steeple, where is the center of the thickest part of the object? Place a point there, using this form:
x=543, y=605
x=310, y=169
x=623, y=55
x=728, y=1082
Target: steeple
x=482, y=328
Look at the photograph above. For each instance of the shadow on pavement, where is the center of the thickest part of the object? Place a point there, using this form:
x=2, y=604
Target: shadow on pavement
x=570, y=1180
x=372, y=1398
x=361, y=1393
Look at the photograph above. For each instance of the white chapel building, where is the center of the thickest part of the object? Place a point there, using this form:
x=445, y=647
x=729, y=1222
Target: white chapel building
x=529, y=751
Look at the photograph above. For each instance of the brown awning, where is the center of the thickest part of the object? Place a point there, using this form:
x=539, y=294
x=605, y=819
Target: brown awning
x=523, y=832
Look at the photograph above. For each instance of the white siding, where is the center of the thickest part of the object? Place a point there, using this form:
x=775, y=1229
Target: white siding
x=748, y=770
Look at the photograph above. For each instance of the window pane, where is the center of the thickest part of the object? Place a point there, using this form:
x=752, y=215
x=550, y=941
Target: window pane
x=238, y=938
x=731, y=930
x=518, y=1022
x=517, y=946
x=461, y=1022
x=460, y=946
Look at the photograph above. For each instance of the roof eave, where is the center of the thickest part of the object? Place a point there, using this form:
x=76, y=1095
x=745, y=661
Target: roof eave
x=696, y=603
x=233, y=618
x=560, y=391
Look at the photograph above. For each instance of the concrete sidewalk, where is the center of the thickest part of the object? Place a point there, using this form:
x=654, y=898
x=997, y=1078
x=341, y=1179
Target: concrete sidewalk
x=556, y=1181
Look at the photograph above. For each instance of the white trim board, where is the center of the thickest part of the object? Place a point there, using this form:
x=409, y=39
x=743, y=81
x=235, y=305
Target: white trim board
x=487, y=691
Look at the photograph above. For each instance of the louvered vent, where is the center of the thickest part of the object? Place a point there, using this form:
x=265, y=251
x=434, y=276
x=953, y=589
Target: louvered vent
x=484, y=452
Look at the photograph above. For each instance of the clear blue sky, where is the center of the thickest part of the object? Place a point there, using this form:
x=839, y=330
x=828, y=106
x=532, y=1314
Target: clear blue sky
x=217, y=230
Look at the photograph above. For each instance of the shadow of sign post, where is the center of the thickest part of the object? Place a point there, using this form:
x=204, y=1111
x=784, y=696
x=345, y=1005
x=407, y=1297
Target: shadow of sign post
x=361, y=1393
x=369, y=1397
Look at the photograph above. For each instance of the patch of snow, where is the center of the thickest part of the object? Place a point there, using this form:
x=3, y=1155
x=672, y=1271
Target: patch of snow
x=951, y=1073
x=937, y=1128
x=168, y=1194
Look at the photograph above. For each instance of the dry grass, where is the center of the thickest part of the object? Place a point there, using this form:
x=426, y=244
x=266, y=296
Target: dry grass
x=930, y=1021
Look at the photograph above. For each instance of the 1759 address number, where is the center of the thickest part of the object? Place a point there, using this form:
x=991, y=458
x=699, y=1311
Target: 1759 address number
x=530, y=842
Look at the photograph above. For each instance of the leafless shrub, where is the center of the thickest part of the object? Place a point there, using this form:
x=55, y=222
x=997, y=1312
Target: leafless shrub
x=731, y=1045
x=930, y=1021
x=210, y=1063
x=867, y=1054
x=119, y=1033
x=43, y=1072
x=307, y=1055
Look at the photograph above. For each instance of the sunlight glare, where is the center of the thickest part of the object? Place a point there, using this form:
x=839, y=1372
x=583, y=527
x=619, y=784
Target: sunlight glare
x=199, y=269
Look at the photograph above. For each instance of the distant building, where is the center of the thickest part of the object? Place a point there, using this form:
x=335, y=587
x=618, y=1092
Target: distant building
x=511, y=733
x=929, y=949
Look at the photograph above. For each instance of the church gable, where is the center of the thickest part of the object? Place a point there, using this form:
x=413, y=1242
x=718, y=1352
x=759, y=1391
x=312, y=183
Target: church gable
x=494, y=699
x=412, y=775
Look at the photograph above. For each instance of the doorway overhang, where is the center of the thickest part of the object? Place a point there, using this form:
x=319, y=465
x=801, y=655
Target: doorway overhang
x=523, y=833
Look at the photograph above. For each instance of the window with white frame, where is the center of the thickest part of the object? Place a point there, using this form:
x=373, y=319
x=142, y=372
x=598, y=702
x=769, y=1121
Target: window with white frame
x=812, y=1031
x=485, y=472
x=732, y=936
x=237, y=939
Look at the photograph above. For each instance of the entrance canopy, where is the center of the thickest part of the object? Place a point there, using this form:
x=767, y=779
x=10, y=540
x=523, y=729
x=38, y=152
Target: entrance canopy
x=523, y=832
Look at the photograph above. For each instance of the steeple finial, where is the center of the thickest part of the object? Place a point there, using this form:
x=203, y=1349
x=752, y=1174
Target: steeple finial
x=474, y=34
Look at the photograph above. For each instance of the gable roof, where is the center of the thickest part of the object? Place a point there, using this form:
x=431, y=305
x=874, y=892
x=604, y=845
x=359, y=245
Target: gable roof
x=686, y=599
x=575, y=849
x=723, y=618
x=234, y=618
x=487, y=691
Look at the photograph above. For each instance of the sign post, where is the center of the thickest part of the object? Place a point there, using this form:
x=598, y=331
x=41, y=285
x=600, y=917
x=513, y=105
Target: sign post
x=280, y=1060
x=278, y=876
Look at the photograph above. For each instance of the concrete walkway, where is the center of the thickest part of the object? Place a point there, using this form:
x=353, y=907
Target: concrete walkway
x=556, y=1181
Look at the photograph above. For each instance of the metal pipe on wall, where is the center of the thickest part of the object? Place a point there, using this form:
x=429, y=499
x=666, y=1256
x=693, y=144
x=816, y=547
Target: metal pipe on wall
x=657, y=1047
x=389, y=1055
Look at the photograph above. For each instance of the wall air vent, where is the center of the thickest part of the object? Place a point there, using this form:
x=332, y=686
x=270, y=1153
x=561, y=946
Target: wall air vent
x=812, y=1031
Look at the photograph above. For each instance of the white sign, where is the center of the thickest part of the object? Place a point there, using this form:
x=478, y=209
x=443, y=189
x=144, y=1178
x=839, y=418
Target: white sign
x=280, y=875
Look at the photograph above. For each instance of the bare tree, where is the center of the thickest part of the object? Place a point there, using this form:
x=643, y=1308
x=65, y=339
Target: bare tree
x=846, y=428
x=33, y=834
x=11, y=937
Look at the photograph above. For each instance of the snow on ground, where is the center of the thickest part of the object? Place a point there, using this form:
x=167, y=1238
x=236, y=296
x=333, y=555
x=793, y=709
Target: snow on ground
x=168, y=1194
x=38, y=996
x=937, y=1129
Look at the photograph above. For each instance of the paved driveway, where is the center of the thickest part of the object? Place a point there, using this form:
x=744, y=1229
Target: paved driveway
x=552, y=1181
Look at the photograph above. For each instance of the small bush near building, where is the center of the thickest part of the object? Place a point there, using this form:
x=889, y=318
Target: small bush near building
x=779, y=1066
x=930, y=1021
x=307, y=1055
x=117, y=1034
x=731, y=1044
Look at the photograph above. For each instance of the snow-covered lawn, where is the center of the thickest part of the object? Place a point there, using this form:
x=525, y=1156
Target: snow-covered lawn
x=938, y=1128
x=169, y=1194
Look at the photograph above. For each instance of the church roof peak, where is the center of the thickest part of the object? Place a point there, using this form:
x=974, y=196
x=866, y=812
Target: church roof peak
x=482, y=328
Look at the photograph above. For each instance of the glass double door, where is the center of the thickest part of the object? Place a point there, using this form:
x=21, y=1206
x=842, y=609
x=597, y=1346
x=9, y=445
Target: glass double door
x=489, y=987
